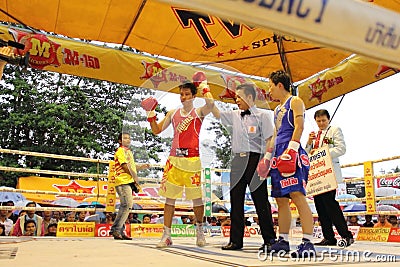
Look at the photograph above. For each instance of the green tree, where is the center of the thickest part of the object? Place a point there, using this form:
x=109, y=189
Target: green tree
x=62, y=114
x=222, y=142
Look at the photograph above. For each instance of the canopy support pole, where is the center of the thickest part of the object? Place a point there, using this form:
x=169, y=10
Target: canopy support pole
x=340, y=102
x=285, y=63
x=134, y=22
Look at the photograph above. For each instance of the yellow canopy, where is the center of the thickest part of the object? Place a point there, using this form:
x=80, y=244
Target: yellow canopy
x=158, y=28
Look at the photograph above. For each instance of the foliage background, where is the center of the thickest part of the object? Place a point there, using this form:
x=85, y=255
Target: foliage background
x=61, y=114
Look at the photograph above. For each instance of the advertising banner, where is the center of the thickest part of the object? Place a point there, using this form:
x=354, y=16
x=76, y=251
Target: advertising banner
x=321, y=177
x=75, y=229
x=373, y=234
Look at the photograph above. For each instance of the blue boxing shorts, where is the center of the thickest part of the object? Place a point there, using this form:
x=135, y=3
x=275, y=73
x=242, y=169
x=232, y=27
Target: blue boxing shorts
x=283, y=186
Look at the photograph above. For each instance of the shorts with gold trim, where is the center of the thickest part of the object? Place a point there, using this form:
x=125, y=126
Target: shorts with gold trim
x=181, y=174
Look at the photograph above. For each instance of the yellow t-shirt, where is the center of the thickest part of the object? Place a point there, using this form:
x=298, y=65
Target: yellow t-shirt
x=123, y=155
x=384, y=225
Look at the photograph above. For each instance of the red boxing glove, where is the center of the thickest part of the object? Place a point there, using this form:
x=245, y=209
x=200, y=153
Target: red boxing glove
x=264, y=165
x=150, y=104
x=200, y=81
x=287, y=162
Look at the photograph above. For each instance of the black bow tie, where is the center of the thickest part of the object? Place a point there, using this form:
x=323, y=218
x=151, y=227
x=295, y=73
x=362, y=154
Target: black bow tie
x=245, y=112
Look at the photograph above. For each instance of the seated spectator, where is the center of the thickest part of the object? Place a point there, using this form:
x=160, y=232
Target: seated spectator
x=70, y=217
x=51, y=229
x=56, y=215
x=352, y=221
x=212, y=221
x=6, y=222
x=185, y=219
x=47, y=219
x=110, y=217
x=192, y=218
x=10, y=214
x=393, y=221
x=222, y=220
x=22, y=213
x=154, y=218
x=134, y=218
x=19, y=227
x=30, y=228
x=146, y=218
x=81, y=216
x=2, y=230
x=368, y=221
x=382, y=222
x=62, y=216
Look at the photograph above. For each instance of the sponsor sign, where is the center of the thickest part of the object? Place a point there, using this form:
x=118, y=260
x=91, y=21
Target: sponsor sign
x=146, y=230
x=394, y=235
x=75, y=229
x=103, y=230
x=321, y=177
x=373, y=234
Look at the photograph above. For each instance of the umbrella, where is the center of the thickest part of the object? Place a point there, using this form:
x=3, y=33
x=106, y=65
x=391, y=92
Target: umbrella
x=386, y=191
x=355, y=207
x=386, y=208
x=217, y=207
x=93, y=204
x=390, y=202
x=65, y=202
x=7, y=196
x=345, y=196
x=22, y=203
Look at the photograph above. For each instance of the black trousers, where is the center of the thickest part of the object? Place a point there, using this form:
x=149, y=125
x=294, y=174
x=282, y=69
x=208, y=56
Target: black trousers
x=243, y=174
x=329, y=213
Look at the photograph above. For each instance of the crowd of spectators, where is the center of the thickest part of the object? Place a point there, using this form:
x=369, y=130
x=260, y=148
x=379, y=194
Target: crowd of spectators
x=44, y=223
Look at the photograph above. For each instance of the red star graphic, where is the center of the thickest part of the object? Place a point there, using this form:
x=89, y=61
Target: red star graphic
x=232, y=51
x=74, y=187
x=220, y=54
x=245, y=47
x=196, y=179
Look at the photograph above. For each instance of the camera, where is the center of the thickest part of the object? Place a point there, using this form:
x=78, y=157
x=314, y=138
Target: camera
x=22, y=61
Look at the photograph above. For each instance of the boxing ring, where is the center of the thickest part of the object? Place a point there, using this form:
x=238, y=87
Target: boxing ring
x=19, y=251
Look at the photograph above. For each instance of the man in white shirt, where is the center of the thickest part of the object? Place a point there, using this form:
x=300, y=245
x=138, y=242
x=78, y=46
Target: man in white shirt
x=328, y=209
x=8, y=224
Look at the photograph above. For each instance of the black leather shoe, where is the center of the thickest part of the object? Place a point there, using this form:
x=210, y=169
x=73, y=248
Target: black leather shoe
x=345, y=242
x=117, y=236
x=232, y=246
x=125, y=237
x=326, y=242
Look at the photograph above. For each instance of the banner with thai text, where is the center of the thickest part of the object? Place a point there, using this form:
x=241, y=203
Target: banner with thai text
x=373, y=234
x=75, y=229
x=321, y=177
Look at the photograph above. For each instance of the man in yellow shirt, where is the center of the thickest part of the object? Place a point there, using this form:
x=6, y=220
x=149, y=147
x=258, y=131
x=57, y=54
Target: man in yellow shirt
x=126, y=181
x=382, y=222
